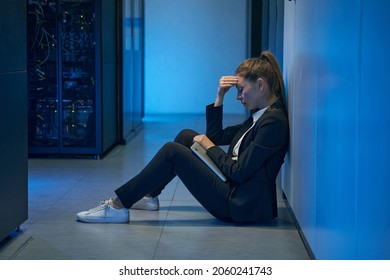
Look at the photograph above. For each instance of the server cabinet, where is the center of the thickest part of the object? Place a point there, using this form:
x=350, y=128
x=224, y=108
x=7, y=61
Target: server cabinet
x=13, y=116
x=132, y=68
x=72, y=76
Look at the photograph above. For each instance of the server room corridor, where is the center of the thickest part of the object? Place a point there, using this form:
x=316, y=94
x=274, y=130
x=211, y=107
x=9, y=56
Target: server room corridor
x=181, y=230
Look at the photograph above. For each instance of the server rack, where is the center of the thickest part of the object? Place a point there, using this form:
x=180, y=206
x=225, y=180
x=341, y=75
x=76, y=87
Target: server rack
x=72, y=76
x=13, y=117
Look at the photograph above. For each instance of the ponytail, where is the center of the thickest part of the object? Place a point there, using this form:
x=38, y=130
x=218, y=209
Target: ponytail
x=276, y=82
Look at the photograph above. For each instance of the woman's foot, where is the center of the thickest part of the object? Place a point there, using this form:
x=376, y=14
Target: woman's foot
x=106, y=212
x=147, y=203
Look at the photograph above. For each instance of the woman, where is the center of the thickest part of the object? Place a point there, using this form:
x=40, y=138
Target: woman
x=256, y=153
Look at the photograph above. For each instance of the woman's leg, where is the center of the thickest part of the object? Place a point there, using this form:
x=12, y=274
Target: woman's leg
x=186, y=138
x=177, y=159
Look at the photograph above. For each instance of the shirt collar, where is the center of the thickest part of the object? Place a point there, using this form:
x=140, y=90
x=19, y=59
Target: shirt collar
x=258, y=114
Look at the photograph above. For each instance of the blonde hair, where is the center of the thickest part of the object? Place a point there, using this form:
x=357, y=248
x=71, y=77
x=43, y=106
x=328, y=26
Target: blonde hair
x=266, y=67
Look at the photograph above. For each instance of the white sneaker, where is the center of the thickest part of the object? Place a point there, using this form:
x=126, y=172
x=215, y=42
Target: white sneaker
x=104, y=213
x=147, y=203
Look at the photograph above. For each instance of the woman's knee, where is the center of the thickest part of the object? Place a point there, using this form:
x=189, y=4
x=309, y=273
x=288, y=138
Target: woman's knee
x=186, y=137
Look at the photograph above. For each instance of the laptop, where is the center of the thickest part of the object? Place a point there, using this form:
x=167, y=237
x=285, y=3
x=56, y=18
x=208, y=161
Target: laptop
x=201, y=153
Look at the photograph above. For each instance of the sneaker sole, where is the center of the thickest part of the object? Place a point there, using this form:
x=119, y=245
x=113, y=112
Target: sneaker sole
x=102, y=221
x=146, y=208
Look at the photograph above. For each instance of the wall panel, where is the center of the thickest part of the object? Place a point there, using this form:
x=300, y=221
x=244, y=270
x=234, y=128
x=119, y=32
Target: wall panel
x=373, y=177
x=336, y=178
x=303, y=124
x=189, y=45
x=287, y=170
x=338, y=92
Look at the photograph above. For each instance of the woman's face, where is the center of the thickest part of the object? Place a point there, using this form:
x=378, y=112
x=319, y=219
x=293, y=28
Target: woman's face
x=250, y=93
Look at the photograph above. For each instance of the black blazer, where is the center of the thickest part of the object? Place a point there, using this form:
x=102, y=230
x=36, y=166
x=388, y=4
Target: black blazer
x=261, y=154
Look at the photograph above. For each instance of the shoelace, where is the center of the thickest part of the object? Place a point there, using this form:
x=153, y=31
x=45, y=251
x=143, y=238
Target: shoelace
x=103, y=205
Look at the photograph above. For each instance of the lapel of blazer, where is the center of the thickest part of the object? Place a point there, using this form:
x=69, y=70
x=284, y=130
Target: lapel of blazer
x=245, y=126
x=250, y=135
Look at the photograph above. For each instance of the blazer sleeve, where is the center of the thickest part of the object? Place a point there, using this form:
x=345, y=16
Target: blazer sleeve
x=266, y=139
x=214, y=129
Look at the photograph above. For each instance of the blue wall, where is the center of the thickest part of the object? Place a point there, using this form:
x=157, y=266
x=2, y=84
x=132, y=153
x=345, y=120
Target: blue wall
x=189, y=45
x=336, y=57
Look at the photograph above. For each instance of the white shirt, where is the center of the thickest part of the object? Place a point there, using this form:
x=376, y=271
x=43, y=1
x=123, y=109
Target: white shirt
x=255, y=117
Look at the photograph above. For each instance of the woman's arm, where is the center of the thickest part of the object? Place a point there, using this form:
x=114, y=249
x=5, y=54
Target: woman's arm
x=214, y=127
x=225, y=83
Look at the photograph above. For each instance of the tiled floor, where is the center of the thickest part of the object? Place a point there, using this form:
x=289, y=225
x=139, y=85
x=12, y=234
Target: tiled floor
x=182, y=229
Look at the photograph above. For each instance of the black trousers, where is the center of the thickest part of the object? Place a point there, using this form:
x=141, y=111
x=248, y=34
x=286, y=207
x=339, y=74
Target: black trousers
x=177, y=159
